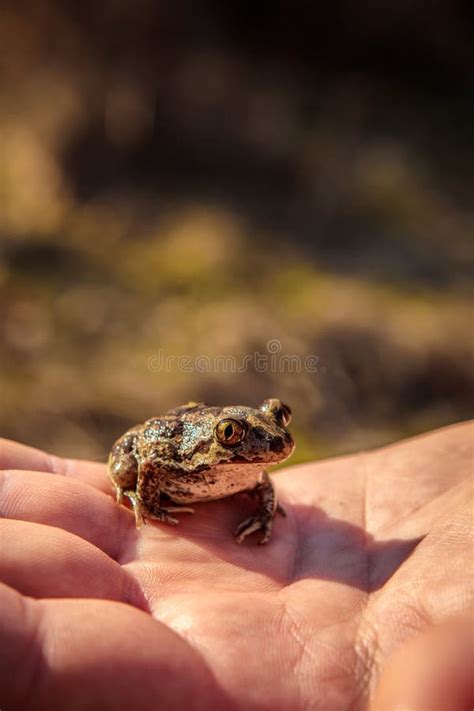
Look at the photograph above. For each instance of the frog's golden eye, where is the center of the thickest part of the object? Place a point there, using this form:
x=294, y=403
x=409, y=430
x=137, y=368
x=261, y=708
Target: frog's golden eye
x=230, y=432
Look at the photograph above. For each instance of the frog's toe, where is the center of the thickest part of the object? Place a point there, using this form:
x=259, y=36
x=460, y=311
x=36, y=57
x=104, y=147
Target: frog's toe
x=266, y=536
x=178, y=509
x=164, y=516
x=252, y=524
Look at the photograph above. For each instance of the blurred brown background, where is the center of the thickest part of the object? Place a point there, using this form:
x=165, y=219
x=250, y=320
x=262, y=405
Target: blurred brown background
x=200, y=178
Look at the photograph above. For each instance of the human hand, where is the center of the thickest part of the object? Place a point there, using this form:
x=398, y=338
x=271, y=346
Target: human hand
x=375, y=548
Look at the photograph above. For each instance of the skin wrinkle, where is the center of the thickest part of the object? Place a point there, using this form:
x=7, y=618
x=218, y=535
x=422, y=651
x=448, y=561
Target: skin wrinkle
x=367, y=648
x=2, y=487
x=420, y=507
x=132, y=592
x=32, y=658
x=300, y=645
x=362, y=463
x=41, y=666
x=313, y=656
x=65, y=467
x=413, y=623
x=294, y=565
x=6, y=477
x=306, y=651
x=125, y=534
x=364, y=651
x=446, y=530
x=57, y=465
x=122, y=531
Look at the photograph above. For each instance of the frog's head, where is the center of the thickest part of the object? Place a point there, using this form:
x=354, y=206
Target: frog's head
x=258, y=436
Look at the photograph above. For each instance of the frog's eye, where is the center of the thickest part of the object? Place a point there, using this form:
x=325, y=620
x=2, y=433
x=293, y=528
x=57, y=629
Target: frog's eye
x=230, y=432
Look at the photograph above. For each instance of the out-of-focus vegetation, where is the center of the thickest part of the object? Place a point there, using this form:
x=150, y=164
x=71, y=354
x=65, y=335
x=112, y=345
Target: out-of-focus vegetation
x=198, y=179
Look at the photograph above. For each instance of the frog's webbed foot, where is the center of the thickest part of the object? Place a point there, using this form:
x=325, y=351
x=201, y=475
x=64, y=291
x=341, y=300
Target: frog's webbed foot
x=254, y=523
x=159, y=513
x=163, y=516
x=263, y=519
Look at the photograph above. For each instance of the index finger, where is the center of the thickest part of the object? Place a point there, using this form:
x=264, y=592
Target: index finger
x=14, y=455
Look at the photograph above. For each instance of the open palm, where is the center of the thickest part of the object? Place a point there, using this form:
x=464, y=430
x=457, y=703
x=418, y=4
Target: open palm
x=98, y=615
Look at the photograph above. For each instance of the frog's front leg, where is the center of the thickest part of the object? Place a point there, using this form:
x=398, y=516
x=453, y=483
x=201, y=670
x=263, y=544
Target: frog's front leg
x=146, y=500
x=159, y=513
x=263, y=519
x=137, y=507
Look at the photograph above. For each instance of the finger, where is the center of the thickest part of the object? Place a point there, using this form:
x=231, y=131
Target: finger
x=45, y=498
x=68, y=654
x=433, y=672
x=42, y=561
x=14, y=455
x=393, y=481
x=91, y=473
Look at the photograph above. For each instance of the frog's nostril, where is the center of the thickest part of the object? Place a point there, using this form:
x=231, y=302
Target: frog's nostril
x=277, y=445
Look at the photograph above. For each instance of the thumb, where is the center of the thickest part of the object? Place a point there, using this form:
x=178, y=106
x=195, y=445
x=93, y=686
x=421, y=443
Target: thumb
x=433, y=672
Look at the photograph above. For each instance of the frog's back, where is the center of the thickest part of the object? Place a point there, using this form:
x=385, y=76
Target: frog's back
x=178, y=440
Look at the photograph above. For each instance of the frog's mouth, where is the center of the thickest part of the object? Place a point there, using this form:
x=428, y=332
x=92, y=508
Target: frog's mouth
x=277, y=449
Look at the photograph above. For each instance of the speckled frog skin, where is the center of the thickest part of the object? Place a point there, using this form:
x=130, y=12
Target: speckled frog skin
x=201, y=453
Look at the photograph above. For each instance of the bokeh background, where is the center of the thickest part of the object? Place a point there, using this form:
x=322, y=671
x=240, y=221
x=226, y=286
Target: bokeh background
x=199, y=178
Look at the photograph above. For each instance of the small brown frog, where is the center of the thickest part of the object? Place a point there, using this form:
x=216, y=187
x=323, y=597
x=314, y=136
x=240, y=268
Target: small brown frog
x=201, y=453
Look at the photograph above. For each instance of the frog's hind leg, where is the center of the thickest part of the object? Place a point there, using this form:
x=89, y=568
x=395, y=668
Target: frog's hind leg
x=255, y=494
x=159, y=513
x=141, y=514
x=163, y=513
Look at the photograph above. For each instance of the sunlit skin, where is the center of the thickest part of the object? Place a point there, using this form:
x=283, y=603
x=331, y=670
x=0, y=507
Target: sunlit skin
x=376, y=548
